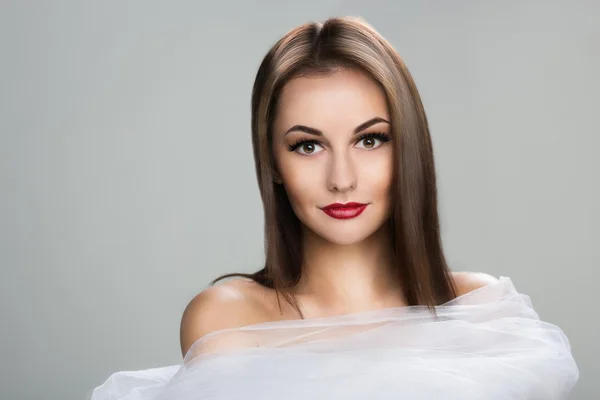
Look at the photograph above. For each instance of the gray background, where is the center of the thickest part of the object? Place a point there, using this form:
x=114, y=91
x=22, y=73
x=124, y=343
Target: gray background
x=127, y=178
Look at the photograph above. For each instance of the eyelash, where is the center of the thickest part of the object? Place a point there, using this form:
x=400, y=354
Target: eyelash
x=384, y=137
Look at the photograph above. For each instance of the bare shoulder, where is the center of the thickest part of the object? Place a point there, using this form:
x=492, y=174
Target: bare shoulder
x=227, y=305
x=466, y=281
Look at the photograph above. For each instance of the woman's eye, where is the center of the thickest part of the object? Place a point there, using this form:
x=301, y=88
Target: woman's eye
x=370, y=143
x=309, y=148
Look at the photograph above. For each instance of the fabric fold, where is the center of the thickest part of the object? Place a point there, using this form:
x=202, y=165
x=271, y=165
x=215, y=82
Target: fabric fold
x=487, y=344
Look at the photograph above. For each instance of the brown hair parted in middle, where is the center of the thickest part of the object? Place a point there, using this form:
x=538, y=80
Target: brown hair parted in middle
x=324, y=48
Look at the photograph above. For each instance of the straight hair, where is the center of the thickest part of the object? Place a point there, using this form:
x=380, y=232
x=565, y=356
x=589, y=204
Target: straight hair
x=323, y=48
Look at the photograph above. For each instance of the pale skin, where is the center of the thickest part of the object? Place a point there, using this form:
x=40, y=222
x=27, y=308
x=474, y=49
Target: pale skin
x=347, y=265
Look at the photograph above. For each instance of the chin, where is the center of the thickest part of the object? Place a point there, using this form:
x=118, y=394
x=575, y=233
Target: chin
x=345, y=235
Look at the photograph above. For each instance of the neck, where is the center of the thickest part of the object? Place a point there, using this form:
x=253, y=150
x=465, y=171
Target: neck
x=341, y=279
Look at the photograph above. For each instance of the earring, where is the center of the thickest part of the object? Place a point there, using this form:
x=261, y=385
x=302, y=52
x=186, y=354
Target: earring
x=276, y=180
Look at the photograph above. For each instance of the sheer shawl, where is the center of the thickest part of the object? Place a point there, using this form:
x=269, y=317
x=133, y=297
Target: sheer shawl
x=487, y=344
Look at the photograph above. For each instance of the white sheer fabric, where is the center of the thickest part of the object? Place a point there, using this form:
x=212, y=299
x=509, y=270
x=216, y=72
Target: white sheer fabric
x=488, y=344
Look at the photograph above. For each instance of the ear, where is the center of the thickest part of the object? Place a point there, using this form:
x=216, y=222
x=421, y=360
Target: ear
x=276, y=177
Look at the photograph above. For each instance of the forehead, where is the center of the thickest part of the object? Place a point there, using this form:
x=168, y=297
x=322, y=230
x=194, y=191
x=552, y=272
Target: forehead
x=338, y=101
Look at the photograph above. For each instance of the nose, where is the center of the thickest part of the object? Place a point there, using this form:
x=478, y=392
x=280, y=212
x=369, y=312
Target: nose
x=342, y=174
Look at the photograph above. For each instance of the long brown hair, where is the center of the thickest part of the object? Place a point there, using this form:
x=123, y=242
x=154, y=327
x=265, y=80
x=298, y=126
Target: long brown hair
x=323, y=48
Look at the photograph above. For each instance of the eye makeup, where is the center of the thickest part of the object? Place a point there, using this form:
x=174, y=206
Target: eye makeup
x=383, y=137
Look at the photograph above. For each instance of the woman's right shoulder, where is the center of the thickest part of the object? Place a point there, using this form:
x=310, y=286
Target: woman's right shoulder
x=231, y=304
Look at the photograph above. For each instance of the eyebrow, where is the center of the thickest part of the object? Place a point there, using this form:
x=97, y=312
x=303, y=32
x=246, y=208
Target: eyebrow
x=359, y=128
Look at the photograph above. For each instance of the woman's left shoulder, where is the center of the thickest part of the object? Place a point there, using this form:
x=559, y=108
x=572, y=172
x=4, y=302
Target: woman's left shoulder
x=467, y=281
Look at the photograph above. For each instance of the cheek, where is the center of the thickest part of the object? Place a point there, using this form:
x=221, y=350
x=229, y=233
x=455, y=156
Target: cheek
x=376, y=173
x=302, y=177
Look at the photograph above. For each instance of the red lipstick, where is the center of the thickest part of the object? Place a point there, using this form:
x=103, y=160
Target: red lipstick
x=344, y=211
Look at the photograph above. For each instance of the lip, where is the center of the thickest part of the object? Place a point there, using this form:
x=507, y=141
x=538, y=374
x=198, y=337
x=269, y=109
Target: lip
x=344, y=211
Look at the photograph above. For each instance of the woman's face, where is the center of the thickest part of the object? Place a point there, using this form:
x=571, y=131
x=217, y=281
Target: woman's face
x=331, y=141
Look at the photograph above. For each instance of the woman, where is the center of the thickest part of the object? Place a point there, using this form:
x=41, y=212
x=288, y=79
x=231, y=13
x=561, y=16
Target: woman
x=370, y=308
